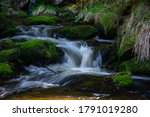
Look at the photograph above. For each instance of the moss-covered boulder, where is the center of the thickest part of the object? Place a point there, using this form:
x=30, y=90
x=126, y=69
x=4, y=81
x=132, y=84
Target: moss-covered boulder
x=42, y=19
x=6, y=44
x=8, y=55
x=6, y=70
x=123, y=79
x=78, y=32
x=37, y=52
x=136, y=66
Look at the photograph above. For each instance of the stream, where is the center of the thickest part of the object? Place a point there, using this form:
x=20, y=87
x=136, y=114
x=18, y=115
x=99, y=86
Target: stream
x=79, y=64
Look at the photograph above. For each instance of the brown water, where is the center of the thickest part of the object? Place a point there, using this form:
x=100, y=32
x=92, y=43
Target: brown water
x=58, y=94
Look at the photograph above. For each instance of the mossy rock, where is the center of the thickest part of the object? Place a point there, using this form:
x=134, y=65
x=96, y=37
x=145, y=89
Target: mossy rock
x=123, y=79
x=7, y=27
x=78, y=32
x=37, y=52
x=6, y=70
x=136, y=66
x=8, y=55
x=6, y=44
x=42, y=19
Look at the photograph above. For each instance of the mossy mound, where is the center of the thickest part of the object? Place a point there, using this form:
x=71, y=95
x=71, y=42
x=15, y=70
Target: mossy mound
x=6, y=44
x=6, y=70
x=78, y=32
x=37, y=51
x=19, y=54
x=136, y=67
x=42, y=19
x=8, y=55
x=123, y=79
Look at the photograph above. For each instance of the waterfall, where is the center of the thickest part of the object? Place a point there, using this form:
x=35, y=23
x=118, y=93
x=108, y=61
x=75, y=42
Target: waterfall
x=78, y=59
x=37, y=30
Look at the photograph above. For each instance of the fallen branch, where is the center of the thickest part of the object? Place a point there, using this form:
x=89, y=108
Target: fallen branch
x=49, y=69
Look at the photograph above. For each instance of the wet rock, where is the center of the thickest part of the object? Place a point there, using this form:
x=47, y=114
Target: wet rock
x=37, y=52
x=147, y=94
x=78, y=32
x=136, y=66
x=97, y=84
x=6, y=44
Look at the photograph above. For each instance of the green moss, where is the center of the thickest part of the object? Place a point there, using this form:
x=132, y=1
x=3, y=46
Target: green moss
x=29, y=44
x=108, y=20
x=5, y=69
x=6, y=44
x=8, y=55
x=135, y=66
x=35, y=51
x=22, y=14
x=78, y=32
x=123, y=79
x=42, y=19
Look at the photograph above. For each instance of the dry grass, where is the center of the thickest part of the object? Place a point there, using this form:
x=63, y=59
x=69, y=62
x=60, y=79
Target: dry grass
x=90, y=16
x=135, y=33
x=142, y=45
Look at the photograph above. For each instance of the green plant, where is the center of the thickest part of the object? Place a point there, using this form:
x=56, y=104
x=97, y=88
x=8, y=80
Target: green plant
x=5, y=69
x=100, y=13
x=123, y=79
x=7, y=55
x=135, y=66
x=42, y=19
x=22, y=14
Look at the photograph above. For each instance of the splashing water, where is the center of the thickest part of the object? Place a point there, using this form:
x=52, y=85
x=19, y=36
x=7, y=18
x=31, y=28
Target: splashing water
x=78, y=59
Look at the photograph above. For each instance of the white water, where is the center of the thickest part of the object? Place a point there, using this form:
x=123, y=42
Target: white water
x=78, y=59
x=104, y=40
x=36, y=30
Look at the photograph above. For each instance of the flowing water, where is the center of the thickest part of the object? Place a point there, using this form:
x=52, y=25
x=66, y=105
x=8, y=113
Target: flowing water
x=78, y=60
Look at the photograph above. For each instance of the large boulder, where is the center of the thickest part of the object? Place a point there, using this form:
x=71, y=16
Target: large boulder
x=37, y=52
x=78, y=32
